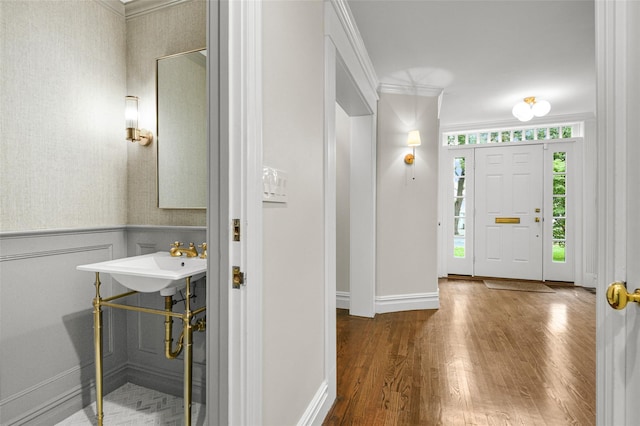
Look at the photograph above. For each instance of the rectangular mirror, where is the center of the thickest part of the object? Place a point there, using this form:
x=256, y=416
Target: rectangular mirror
x=181, y=98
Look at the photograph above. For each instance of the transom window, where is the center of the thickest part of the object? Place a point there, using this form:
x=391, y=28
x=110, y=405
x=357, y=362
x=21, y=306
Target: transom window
x=514, y=134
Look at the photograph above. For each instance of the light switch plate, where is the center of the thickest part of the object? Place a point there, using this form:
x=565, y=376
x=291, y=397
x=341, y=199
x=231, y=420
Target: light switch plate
x=274, y=185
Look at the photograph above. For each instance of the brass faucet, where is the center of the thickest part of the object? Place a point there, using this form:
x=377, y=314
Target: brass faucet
x=203, y=254
x=177, y=250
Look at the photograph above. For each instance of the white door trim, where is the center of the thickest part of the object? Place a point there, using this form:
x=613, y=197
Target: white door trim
x=217, y=208
x=613, y=405
x=235, y=382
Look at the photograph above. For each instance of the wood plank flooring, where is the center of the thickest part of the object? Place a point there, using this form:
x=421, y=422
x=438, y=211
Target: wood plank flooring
x=486, y=357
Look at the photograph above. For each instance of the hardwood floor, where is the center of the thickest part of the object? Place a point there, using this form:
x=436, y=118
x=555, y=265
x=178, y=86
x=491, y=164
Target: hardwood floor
x=486, y=357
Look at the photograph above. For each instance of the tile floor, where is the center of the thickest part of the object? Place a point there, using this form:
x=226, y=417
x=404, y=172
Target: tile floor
x=133, y=405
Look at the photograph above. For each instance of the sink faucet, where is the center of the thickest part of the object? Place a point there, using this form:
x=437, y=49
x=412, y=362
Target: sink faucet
x=177, y=250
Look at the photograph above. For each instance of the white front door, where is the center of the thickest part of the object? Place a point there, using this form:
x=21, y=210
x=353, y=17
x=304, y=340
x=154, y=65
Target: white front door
x=508, y=202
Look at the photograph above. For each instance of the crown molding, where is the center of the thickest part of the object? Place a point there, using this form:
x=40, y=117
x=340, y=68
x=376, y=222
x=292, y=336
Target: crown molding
x=136, y=8
x=115, y=6
x=415, y=90
x=355, y=39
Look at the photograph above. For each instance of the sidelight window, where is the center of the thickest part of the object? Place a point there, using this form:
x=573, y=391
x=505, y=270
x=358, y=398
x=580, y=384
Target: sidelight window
x=559, y=192
x=459, y=206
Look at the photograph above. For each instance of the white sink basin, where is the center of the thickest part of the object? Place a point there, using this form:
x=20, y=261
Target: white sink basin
x=151, y=272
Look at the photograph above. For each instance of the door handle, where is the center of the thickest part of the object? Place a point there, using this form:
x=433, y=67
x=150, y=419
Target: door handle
x=537, y=219
x=618, y=297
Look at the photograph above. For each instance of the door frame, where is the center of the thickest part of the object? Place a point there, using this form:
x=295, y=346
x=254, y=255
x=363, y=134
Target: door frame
x=234, y=329
x=615, y=380
x=576, y=216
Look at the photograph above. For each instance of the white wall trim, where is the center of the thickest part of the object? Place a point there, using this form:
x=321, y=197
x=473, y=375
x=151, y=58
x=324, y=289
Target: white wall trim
x=355, y=39
x=546, y=121
x=407, y=302
x=343, y=300
x=136, y=8
x=318, y=407
x=415, y=90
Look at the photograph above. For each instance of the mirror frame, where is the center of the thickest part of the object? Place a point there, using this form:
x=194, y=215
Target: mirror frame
x=157, y=61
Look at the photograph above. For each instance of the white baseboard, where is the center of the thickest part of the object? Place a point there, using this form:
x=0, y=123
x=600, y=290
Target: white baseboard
x=318, y=407
x=407, y=302
x=342, y=300
x=396, y=302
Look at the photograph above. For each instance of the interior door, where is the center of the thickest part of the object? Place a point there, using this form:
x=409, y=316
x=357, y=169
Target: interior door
x=509, y=201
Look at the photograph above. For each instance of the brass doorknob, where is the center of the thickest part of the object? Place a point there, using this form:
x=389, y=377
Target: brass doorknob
x=617, y=295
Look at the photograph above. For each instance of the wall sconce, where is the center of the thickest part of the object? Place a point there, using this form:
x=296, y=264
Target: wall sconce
x=142, y=136
x=530, y=107
x=413, y=140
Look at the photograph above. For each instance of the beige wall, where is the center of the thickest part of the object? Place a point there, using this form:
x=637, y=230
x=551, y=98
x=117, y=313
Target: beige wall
x=407, y=221
x=163, y=32
x=62, y=155
x=293, y=232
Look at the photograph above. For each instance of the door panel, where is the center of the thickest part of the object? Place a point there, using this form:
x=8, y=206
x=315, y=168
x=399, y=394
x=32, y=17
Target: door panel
x=508, y=185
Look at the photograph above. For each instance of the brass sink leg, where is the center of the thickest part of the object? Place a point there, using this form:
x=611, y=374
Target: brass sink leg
x=187, y=332
x=97, y=339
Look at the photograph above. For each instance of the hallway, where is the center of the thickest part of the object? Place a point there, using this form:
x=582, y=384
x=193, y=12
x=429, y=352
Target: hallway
x=485, y=357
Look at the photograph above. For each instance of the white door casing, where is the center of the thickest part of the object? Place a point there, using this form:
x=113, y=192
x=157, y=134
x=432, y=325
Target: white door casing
x=508, y=212
x=618, y=112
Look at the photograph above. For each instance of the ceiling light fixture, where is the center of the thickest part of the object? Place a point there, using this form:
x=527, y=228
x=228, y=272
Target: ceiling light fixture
x=530, y=107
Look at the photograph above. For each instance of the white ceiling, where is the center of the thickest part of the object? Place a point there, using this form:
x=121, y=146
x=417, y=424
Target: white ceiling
x=485, y=54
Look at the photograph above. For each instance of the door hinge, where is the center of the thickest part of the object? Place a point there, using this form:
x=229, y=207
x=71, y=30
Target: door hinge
x=236, y=229
x=238, y=277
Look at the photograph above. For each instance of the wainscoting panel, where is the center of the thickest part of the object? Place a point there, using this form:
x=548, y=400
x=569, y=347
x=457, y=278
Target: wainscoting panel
x=147, y=363
x=46, y=322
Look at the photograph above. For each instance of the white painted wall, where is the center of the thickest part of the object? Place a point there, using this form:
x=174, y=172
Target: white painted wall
x=407, y=209
x=293, y=140
x=343, y=171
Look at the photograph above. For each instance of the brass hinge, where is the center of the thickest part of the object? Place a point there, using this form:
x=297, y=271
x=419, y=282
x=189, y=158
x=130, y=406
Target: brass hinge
x=236, y=229
x=238, y=277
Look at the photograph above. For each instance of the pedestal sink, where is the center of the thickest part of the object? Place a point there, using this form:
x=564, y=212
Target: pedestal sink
x=151, y=272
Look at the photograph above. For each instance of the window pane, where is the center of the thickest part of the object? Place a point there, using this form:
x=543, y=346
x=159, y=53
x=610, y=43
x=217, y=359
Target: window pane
x=484, y=137
x=559, y=252
x=542, y=134
x=458, y=247
x=554, y=133
x=506, y=136
x=559, y=162
x=559, y=184
x=517, y=135
x=494, y=137
x=462, y=139
x=529, y=134
x=559, y=230
x=559, y=206
x=458, y=226
x=451, y=140
x=566, y=132
x=473, y=139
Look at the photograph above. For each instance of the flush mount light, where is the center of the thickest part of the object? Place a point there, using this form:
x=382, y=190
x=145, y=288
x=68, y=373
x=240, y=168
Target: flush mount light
x=134, y=134
x=530, y=107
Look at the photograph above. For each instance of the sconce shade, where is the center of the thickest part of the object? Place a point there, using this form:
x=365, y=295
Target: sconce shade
x=131, y=112
x=414, y=138
x=133, y=133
